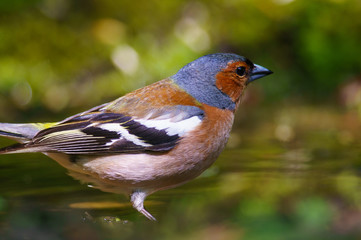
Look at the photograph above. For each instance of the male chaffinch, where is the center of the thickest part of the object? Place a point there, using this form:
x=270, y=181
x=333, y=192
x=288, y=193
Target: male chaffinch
x=154, y=138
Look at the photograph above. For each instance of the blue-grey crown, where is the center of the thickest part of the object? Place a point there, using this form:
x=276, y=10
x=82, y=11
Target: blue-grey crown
x=198, y=78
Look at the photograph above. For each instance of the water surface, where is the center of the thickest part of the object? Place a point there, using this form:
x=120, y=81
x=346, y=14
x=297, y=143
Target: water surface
x=287, y=173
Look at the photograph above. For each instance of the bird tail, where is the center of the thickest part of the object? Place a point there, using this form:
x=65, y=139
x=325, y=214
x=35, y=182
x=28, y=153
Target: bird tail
x=20, y=132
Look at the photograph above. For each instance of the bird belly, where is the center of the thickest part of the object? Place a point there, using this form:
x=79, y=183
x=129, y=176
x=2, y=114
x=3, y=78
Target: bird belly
x=125, y=173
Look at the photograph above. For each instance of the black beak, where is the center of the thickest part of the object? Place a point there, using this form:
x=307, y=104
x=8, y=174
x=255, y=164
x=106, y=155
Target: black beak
x=258, y=72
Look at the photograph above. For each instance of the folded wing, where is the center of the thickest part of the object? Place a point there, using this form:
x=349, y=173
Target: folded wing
x=100, y=132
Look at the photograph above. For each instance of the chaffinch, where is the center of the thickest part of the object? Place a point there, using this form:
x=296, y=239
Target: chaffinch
x=154, y=138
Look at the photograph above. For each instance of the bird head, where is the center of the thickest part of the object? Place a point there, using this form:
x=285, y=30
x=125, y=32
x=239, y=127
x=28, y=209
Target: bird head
x=219, y=79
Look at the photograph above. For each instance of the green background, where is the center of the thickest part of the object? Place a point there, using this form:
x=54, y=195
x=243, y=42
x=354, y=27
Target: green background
x=291, y=169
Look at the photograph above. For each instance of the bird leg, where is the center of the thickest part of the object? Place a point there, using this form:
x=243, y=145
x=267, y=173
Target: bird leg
x=137, y=198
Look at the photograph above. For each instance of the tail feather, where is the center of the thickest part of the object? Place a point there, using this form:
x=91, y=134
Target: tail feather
x=15, y=148
x=11, y=135
x=22, y=133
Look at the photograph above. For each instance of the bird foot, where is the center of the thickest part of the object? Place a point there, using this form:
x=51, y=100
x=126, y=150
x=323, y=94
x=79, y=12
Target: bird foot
x=137, y=198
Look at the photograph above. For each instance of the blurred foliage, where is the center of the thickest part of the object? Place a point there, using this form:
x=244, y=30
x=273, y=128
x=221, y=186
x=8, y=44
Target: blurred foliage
x=291, y=171
x=62, y=54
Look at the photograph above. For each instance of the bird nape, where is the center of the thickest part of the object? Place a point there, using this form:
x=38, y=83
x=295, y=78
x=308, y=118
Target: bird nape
x=154, y=138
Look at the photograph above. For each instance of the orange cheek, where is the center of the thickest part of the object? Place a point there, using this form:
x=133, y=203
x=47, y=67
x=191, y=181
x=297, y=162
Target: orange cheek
x=230, y=84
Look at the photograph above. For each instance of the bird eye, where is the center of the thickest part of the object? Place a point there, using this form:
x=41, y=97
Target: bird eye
x=241, y=71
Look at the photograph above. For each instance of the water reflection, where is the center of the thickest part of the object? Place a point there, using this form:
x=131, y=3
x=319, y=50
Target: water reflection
x=260, y=187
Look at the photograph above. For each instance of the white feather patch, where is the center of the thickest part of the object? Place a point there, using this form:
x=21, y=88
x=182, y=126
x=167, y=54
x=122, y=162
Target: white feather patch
x=172, y=128
x=116, y=127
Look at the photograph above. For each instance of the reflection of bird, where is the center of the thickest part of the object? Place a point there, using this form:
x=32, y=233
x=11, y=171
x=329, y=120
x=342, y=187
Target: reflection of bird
x=151, y=139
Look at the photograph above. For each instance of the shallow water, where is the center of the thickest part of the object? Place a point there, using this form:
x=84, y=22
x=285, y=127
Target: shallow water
x=287, y=173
